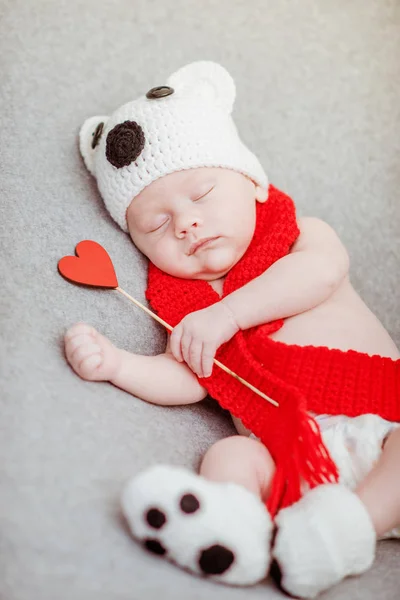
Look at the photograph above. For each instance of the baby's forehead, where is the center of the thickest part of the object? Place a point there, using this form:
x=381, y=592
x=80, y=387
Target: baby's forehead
x=190, y=180
x=186, y=177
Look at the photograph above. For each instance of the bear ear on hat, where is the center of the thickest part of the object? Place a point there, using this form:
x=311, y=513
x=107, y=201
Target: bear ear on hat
x=89, y=138
x=206, y=80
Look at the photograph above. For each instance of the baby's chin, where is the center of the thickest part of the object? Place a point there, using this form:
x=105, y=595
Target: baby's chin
x=216, y=263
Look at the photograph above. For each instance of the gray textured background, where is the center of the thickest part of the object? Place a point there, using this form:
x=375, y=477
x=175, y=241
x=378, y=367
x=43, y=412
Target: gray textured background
x=318, y=101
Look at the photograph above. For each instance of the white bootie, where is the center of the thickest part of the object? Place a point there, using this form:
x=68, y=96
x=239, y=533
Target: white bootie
x=321, y=539
x=220, y=530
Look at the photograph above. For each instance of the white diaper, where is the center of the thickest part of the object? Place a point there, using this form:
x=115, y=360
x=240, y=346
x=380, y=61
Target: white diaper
x=355, y=444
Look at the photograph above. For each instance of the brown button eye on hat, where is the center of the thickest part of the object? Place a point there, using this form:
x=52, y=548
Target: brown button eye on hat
x=97, y=134
x=124, y=143
x=159, y=92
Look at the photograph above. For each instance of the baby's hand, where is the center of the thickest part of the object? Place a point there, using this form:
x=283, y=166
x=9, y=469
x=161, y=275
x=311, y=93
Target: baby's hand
x=91, y=354
x=198, y=336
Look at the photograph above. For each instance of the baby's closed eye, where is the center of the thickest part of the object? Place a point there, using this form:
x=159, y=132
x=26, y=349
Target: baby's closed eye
x=157, y=226
x=203, y=194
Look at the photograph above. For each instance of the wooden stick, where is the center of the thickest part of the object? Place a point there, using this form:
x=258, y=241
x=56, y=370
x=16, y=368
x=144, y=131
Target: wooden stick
x=219, y=364
x=156, y=317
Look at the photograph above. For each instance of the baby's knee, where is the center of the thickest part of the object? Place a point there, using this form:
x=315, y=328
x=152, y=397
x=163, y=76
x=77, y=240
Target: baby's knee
x=239, y=448
x=241, y=460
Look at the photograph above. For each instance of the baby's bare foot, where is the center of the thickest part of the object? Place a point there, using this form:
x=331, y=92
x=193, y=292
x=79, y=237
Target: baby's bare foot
x=90, y=354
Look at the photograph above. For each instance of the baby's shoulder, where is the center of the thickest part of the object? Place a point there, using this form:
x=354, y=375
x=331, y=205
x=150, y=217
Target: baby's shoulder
x=315, y=234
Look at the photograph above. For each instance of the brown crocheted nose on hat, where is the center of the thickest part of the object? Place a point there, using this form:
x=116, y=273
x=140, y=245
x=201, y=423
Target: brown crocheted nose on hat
x=124, y=144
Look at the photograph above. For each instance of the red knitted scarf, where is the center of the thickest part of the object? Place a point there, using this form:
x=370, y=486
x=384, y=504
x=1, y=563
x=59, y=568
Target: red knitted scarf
x=299, y=378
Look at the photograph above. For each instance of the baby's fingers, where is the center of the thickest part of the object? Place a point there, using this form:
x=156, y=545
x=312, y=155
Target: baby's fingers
x=207, y=359
x=194, y=357
x=175, y=343
x=186, y=342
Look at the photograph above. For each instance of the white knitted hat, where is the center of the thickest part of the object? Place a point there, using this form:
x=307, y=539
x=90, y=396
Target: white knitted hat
x=182, y=125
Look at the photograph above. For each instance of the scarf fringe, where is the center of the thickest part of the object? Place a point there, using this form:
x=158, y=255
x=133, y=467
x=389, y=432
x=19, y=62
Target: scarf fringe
x=306, y=465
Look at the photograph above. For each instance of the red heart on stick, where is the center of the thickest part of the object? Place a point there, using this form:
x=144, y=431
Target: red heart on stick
x=91, y=266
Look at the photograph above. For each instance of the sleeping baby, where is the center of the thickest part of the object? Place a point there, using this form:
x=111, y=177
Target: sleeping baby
x=311, y=481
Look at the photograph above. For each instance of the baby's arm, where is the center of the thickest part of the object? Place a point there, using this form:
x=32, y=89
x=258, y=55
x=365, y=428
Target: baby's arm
x=158, y=379
x=306, y=277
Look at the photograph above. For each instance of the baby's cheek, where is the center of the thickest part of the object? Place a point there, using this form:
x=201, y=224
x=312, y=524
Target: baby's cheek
x=172, y=260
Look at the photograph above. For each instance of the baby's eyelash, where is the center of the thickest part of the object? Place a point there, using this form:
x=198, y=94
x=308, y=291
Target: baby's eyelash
x=203, y=195
x=159, y=227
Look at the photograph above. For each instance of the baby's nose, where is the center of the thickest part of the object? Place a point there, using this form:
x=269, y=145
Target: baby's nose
x=185, y=224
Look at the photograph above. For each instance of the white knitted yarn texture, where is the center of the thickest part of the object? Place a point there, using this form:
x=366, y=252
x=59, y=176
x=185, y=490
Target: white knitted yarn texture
x=190, y=128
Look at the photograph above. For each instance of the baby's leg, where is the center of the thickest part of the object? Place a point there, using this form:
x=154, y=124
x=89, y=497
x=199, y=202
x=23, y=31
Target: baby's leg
x=241, y=460
x=380, y=490
x=337, y=528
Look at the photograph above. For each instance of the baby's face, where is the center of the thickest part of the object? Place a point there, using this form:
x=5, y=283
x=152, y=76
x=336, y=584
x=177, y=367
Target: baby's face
x=173, y=215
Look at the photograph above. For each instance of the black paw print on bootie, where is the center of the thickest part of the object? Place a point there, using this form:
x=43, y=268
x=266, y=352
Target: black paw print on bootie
x=214, y=560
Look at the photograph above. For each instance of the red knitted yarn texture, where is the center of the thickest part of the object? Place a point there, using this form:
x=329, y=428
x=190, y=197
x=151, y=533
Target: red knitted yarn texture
x=300, y=379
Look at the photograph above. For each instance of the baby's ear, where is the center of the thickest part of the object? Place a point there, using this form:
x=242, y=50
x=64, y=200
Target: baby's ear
x=206, y=81
x=261, y=194
x=89, y=138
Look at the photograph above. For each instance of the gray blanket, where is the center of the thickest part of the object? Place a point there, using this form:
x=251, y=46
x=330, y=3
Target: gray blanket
x=318, y=101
